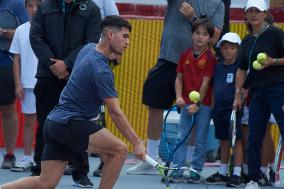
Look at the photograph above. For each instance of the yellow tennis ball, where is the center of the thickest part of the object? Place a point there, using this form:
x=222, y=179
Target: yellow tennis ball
x=194, y=96
x=256, y=65
x=261, y=57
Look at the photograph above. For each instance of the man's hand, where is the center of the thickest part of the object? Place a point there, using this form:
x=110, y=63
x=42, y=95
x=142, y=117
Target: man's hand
x=59, y=68
x=193, y=108
x=238, y=101
x=187, y=10
x=139, y=151
x=2, y=31
x=180, y=102
x=269, y=62
x=19, y=91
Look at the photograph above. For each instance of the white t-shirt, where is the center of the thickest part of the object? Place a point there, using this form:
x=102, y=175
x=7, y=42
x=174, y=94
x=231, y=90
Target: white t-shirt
x=21, y=45
x=107, y=7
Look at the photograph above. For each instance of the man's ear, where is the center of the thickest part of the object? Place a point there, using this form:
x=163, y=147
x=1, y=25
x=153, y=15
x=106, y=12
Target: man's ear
x=109, y=34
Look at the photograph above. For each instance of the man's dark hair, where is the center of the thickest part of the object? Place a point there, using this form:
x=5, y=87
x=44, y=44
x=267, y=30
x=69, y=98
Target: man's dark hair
x=115, y=21
x=205, y=22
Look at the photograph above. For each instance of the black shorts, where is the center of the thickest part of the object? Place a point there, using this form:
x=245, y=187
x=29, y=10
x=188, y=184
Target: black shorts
x=63, y=140
x=222, y=125
x=7, y=85
x=159, y=86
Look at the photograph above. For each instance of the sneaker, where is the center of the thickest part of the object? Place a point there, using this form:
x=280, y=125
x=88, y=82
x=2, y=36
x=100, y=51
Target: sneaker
x=68, y=170
x=271, y=175
x=193, y=177
x=22, y=166
x=35, y=170
x=235, y=181
x=174, y=177
x=97, y=173
x=252, y=185
x=9, y=161
x=263, y=181
x=142, y=168
x=245, y=177
x=216, y=178
x=84, y=182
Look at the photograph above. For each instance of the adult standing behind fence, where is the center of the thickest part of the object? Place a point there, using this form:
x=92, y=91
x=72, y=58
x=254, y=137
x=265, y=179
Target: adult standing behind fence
x=266, y=86
x=7, y=86
x=159, y=87
x=59, y=30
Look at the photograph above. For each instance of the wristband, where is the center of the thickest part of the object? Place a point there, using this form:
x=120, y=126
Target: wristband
x=193, y=19
x=277, y=62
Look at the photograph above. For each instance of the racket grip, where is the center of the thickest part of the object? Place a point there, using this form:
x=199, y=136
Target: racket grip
x=152, y=162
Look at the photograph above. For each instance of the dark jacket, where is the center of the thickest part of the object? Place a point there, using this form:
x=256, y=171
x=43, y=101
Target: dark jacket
x=54, y=35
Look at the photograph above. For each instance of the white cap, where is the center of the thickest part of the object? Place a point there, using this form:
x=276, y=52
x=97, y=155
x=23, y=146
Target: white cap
x=259, y=4
x=230, y=37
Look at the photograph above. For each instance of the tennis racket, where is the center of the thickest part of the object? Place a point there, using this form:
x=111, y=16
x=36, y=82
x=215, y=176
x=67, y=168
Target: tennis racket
x=161, y=168
x=232, y=137
x=8, y=21
x=172, y=146
x=277, y=163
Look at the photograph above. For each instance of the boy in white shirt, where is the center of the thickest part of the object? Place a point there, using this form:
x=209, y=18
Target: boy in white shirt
x=24, y=68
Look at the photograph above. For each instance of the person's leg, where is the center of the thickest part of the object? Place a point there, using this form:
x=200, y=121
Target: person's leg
x=10, y=126
x=113, y=151
x=267, y=150
x=259, y=113
x=202, y=120
x=30, y=120
x=50, y=176
x=179, y=157
x=47, y=95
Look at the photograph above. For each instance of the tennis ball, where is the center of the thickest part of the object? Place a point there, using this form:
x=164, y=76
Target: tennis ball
x=256, y=65
x=261, y=57
x=194, y=96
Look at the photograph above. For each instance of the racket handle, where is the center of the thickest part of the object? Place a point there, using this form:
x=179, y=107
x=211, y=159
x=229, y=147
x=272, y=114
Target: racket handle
x=152, y=162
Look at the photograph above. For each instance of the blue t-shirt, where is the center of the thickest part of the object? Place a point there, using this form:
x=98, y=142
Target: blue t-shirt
x=91, y=81
x=18, y=8
x=224, y=87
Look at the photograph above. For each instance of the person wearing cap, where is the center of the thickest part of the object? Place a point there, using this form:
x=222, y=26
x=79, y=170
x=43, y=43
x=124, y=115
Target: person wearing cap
x=223, y=95
x=266, y=87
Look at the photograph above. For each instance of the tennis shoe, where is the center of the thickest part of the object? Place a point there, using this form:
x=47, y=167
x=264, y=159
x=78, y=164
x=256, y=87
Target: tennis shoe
x=252, y=185
x=193, y=177
x=142, y=168
x=23, y=165
x=216, y=178
x=235, y=181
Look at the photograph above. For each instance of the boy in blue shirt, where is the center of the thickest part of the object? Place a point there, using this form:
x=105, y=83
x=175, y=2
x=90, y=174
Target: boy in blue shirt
x=223, y=94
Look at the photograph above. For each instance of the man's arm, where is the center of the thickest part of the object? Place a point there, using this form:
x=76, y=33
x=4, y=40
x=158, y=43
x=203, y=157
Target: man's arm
x=8, y=34
x=123, y=126
x=37, y=40
x=92, y=35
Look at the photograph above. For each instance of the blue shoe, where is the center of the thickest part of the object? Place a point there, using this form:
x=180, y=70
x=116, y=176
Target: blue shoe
x=193, y=177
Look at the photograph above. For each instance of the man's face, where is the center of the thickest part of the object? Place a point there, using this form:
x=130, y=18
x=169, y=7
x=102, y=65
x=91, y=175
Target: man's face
x=254, y=16
x=119, y=40
x=31, y=7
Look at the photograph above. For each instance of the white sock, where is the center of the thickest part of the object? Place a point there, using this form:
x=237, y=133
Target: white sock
x=263, y=169
x=223, y=169
x=237, y=171
x=245, y=169
x=190, y=150
x=153, y=148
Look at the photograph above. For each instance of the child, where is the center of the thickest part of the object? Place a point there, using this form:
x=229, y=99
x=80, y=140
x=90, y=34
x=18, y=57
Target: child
x=194, y=72
x=24, y=68
x=223, y=94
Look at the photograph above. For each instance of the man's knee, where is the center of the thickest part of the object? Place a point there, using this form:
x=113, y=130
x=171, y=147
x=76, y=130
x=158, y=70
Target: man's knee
x=46, y=184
